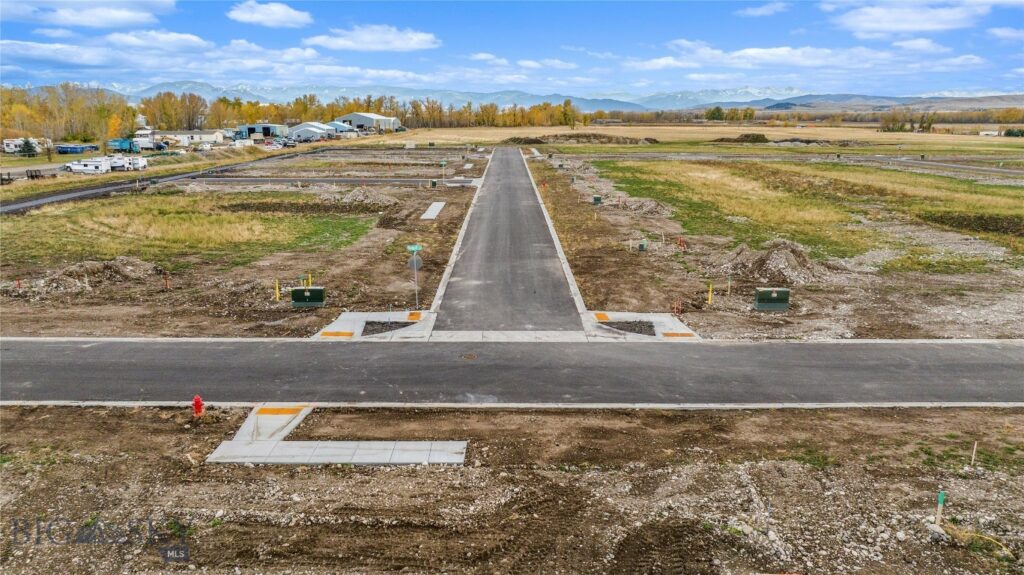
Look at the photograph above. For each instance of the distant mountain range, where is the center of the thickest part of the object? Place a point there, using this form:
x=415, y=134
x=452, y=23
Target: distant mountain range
x=781, y=99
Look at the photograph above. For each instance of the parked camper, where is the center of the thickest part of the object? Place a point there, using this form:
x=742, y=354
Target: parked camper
x=14, y=145
x=90, y=166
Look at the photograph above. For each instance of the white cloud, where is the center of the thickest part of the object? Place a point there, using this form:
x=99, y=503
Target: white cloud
x=354, y=73
x=54, y=32
x=924, y=45
x=558, y=64
x=60, y=53
x=246, y=49
x=763, y=10
x=161, y=39
x=92, y=14
x=271, y=15
x=699, y=77
x=591, y=53
x=375, y=38
x=879, y=21
x=98, y=17
x=662, y=63
x=696, y=53
x=489, y=58
x=1008, y=34
x=546, y=63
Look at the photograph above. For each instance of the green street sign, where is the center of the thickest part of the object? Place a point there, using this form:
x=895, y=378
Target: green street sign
x=413, y=248
x=444, y=163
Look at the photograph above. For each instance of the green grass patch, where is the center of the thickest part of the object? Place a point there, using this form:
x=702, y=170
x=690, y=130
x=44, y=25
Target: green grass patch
x=173, y=229
x=814, y=457
x=924, y=260
x=711, y=199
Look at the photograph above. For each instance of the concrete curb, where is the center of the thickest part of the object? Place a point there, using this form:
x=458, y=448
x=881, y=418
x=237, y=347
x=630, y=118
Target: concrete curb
x=532, y=406
x=574, y=289
x=102, y=340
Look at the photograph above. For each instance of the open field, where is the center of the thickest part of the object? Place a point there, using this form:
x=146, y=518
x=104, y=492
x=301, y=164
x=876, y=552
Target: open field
x=827, y=491
x=221, y=248
x=696, y=139
x=159, y=166
x=357, y=163
x=877, y=253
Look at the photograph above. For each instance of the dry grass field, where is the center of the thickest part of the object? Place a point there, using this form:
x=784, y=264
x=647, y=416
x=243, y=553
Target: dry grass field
x=700, y=138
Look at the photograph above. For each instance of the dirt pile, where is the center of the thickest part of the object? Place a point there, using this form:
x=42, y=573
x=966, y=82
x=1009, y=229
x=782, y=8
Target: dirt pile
x=87, y=275
x=781, y=262
x=581, y=138
x=645, y=206
x=368, y=197
x=745, y=139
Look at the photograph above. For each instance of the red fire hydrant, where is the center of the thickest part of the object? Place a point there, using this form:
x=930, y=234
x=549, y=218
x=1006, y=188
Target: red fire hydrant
x=197, y=406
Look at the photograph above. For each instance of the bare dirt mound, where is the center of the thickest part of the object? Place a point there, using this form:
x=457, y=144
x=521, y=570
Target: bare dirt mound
x=581, y=138
x=87, y=275
x=745, y=139
x=368, y=197
x=781, y=262
x=645, y=207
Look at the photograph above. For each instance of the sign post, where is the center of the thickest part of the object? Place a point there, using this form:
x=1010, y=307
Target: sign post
x=415, y=262
x=443, y=164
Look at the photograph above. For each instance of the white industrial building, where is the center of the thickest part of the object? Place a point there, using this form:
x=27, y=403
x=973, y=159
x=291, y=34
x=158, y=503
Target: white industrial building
x=193, y=137
x=307, y=133
x=343, y=130
x=369, y=121
x=311, y=131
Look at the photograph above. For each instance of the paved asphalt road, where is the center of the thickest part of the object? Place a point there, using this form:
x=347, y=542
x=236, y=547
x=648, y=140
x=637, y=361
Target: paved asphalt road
x=297, y=370
x=507, y=276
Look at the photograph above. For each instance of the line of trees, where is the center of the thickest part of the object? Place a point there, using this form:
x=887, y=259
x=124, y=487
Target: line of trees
x=69, y=112
x=66, y=112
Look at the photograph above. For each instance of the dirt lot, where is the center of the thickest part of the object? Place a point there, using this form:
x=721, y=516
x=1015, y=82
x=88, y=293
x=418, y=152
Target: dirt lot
x=369, y=163
x=846, y=491
x=225, y=288
x=694, y=138
x=857, y=245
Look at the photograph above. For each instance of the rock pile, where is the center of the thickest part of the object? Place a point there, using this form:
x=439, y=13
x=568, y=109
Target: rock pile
x=782, y=262
x=85, y=276
x=368, y=197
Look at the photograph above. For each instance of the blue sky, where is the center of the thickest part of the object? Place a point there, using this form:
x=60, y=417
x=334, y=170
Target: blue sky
x=581, y=48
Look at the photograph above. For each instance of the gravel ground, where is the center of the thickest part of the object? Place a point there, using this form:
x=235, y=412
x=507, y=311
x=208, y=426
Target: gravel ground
x=725, y=492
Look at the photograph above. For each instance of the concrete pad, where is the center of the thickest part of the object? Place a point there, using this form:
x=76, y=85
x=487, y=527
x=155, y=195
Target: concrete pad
x=340, y=452
x=352, y=324
x=667, y=327
x=272, y=421
x=433, y=211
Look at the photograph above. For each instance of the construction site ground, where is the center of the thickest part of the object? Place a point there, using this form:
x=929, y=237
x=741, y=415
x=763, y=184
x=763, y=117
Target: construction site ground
x=868, y=251
x=201, y=258
x=769, y=491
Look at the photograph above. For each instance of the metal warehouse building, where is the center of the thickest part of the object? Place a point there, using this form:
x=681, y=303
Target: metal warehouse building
x=266, y=130
x=369, y=121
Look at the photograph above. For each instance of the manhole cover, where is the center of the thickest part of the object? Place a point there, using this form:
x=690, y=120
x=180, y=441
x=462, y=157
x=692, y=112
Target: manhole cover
x=469, y=356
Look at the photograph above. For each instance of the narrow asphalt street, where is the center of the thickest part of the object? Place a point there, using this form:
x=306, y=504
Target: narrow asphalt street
x=507, y=276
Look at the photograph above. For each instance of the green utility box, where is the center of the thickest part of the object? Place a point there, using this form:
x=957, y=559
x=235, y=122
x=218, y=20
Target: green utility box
x=642, y=246
x=312, y=296
x=771, y=299
x=597, y=200
x=433, y=183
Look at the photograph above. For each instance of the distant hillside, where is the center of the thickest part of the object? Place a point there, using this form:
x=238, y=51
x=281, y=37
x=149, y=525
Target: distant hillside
x=773, y=99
